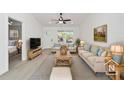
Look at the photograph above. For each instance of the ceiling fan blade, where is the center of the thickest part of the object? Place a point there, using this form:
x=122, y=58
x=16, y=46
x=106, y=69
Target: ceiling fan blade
x=67, y=20
x=64, y=22
x=57, y=22
x=54, y=20
x=61, y=20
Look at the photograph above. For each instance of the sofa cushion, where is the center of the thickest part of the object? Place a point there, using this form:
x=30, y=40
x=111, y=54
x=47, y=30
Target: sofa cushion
x=55, y=48
x=95, y=59
x=71, y=45
x=72, y=48
x=87, y=54
x=80, y=52
x=12, y=42
x=94, y=49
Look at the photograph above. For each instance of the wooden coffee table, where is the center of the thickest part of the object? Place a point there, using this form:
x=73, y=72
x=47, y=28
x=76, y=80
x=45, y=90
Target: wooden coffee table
x=63, y=60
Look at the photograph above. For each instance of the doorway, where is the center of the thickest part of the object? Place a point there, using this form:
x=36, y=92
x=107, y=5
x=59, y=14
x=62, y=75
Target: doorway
x=14, y=37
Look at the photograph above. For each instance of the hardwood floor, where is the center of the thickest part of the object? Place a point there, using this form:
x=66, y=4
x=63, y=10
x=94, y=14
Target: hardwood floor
x=40, y=69
x=24, y=69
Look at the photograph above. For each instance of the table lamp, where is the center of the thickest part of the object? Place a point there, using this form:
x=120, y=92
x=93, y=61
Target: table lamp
x=117, y=49
x=82, y=43
x=20, y=41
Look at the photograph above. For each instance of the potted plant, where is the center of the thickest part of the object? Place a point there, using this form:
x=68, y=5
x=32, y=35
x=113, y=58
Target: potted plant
x=77, y=44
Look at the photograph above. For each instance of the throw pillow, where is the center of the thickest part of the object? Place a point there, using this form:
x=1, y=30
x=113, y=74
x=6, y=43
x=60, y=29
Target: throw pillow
x=70, y=45
x=87, y=47
x=100, y=51
x=94, y=49
x=117, y=58
x=12, y=42
x=103, y=54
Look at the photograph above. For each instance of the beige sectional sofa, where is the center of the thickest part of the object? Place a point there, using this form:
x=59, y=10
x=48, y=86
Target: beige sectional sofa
x=95, y=62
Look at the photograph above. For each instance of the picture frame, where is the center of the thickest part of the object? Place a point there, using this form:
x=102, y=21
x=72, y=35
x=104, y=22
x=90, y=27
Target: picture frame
x=100, y=33
x=13, y=34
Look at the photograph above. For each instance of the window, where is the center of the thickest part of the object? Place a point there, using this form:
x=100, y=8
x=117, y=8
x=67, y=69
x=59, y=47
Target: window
x=65, y=36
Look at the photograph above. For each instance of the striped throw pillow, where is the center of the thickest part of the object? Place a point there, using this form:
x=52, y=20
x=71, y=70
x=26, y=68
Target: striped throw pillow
x=117, y=58
x=100, y=51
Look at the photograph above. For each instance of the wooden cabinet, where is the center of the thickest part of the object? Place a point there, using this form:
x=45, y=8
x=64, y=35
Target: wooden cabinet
x=34, y=53
x=113, y=69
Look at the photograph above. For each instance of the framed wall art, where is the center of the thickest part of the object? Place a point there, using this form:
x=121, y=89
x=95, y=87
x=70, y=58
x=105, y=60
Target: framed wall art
x=100, y=33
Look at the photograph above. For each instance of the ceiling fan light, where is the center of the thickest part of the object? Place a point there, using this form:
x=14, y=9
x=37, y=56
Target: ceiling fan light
x=60, y=22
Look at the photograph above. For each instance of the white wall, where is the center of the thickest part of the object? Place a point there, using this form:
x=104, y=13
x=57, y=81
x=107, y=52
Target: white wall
x=50, y=33
x=115, y=30
x=30, y=28
x=3, y=44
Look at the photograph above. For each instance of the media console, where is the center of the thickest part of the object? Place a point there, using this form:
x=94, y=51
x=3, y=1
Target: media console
x=34, y=53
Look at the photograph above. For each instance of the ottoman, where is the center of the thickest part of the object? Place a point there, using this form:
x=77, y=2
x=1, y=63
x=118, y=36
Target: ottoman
x=61, y=73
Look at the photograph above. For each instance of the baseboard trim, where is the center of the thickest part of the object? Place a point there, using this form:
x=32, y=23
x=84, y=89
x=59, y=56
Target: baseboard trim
x=4, y=70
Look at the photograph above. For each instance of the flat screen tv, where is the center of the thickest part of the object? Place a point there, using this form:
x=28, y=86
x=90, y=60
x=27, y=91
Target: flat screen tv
x=34, y=43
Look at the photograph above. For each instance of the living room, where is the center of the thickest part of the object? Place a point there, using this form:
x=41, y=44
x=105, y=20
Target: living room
x=44, y=26
x=61, y=46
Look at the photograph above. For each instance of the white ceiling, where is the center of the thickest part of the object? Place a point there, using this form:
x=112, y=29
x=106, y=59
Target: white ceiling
x=45, y=18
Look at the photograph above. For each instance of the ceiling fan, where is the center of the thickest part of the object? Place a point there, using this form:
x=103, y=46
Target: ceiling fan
x=61, y=20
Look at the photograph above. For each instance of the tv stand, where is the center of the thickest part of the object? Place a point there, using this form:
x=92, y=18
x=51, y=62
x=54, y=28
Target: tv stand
x=34, y=53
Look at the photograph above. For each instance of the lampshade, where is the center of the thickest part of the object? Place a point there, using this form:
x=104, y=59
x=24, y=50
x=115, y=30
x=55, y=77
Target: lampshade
x=19, y=40
x=117, y=49
x=82, y=42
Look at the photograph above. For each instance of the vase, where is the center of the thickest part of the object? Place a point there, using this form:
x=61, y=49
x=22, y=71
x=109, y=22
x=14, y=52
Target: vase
x=63, y=50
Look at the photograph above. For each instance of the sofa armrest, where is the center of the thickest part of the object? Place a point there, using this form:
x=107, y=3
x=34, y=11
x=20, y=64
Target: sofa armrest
x=80, y=48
